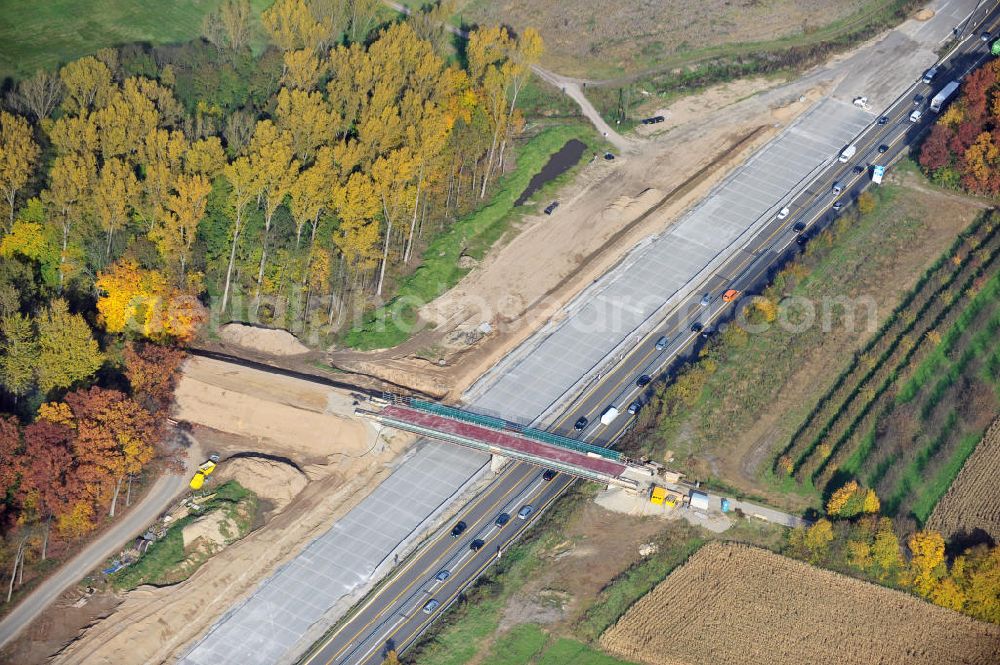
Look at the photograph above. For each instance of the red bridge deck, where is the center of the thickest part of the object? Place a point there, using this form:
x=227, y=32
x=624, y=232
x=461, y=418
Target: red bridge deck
x=504, y=440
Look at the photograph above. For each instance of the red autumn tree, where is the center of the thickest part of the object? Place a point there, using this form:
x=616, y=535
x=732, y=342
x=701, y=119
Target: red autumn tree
x=151, y=370
x=935, y=152
x=115, y=439
x=50, y=486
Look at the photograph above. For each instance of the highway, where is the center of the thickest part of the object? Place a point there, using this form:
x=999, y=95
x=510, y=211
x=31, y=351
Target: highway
x=394, y=615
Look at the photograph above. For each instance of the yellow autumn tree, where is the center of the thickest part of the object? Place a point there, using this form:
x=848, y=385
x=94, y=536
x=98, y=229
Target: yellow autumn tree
x=927, y=560
x=128, y=297
x=115, y=186
x=175, y=231
x=841, y=497
x=87, y=83
x=871, y=503
x=18, y=154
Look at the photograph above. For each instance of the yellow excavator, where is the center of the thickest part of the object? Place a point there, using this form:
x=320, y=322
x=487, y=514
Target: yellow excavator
x=205, y=469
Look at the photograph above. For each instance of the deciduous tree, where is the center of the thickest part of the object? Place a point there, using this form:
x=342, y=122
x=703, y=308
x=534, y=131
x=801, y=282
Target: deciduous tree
x=88, y=84
x=19, y=356
x=151, y=370
x=927, y=560
x=18, y=153
x=68, y=352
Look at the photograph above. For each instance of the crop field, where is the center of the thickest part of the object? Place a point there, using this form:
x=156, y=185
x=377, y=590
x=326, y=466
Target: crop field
x=914, y=403
x=972, y=503
x=603, y=40
x=734, y=603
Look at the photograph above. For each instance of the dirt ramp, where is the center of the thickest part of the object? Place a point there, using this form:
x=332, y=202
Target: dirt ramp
x=271, y=480
x=265, y=340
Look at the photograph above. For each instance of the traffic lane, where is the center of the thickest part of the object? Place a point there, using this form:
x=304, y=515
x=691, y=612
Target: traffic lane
x=428, y=563
x=408, y=628
x=870, y=142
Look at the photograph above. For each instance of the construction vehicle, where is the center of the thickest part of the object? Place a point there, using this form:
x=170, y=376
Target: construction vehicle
x=661, y=496
x=205, y=469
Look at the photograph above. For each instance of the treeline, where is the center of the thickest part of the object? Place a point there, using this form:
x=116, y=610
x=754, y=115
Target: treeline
x=293, y=184
x=853, y=538
x=76, y=462
x=963, y=148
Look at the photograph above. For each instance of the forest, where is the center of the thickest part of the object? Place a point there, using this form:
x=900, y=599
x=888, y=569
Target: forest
x=150, y=190
x=963, y=148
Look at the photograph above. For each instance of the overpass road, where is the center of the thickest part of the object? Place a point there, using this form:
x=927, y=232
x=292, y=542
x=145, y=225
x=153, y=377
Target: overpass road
x=395, y=614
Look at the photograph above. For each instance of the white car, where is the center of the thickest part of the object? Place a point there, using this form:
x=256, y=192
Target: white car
x=915, y=116
x=784, y=213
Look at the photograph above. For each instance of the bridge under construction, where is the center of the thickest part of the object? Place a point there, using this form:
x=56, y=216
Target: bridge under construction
x=513, y=440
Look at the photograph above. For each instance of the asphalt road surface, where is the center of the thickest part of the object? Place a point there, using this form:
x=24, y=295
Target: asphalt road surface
x=418, y=591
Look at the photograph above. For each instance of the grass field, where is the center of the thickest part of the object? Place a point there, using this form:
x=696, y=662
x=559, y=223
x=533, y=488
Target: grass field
x=733, y=603
x=595, y=39
x=756, y=390
x=473, y=235
x=52, y=32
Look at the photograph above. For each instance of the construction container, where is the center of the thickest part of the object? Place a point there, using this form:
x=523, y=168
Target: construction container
x=699, y=500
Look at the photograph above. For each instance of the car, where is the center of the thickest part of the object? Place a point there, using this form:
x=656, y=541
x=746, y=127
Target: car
x=838, y=187
x=730, y=295
x=551, y=208
x=837, y=205
x=883, y=120
x=661, y=343
x=858, y=170
x=581, y=422
x=697, y=327
x=442, y=575
x=549, y=474
x=707, y=332
x=477, y=544
x=502, y=519
x=525, y=511
x=916, y=115
x=918, y=100
x=634, y=407
x=803, y=239
x=609, y=157
x=643, y=380
x=882, y=149
x=783, y=213
x=706, y=299
x=431, y=605
x=799, y=227
x=985, y=37
x=459, y=529
x=930, y=74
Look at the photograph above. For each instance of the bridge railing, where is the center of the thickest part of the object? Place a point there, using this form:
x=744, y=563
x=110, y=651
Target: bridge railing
x=500, y=424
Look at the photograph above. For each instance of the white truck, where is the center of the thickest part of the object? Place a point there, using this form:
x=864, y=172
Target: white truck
x=942, y=97
x=848, y=152
x=609, y=415
x=877, y=173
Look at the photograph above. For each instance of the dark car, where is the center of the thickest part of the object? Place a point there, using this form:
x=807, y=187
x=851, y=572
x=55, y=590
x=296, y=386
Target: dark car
x=882, y=149
x=707, y=332
x=551, y=208
x=549, y=474
x=477, y=544
x=985, y=37
x=799, y=227
x=442, y=575
x=803, y=239
x=918, y=100
x=459, y=529
x=502, y=519
x=662, y=343
x=858, y=170
x=697, y=326
x=609, y=157
x=884, y=120
x=634, y=407
x=581, y=422
x=838, y=187
x=837, y=205
x=643, y=380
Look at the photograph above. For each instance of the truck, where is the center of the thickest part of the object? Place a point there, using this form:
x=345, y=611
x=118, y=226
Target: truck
x=205, y=469
x=877, y=173
x=942, y=97
x=609, y=415
x=848, y=152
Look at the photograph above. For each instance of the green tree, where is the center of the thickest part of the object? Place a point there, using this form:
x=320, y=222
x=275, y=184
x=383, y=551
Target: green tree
x=68, y=352
x=20, y=354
